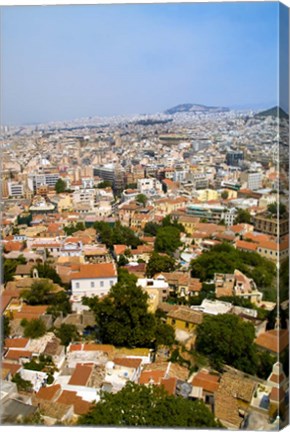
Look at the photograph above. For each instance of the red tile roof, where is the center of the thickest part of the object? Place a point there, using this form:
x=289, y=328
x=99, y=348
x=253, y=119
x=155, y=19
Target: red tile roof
x=273, y=340
x=133, y=363
x=81, y=375
x=241, y=244
x=16, y=343
x=169, y=385
x=71, y=398
x=151, y=376
x=208, y=382
x=14, y=354
x=120, y=249
x=48, y=393
x=12, y=367
x=95, y=271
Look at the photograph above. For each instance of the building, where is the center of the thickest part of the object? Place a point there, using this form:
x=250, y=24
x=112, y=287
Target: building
x=48, y=178
x=253, y=180
x=234, y=157
x=269, y=225
x=92, y=280
x=15, y=189
x=214, y=213
x=184, y=318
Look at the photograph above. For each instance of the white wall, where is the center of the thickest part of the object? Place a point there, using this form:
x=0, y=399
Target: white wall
x=92, y=287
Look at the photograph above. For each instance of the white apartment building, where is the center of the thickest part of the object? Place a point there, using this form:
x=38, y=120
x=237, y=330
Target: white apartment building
x=92, y=280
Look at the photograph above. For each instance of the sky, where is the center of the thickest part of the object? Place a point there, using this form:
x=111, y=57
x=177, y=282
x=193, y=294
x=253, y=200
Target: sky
x=67, y=62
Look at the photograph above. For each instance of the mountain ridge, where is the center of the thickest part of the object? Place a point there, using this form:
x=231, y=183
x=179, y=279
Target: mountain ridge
x=193, y=107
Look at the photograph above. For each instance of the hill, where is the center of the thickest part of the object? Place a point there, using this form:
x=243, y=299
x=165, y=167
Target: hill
x=188, y=107
x=274, y=112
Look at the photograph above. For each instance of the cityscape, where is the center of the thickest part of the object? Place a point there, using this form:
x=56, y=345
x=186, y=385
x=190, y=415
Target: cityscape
x=145, y=257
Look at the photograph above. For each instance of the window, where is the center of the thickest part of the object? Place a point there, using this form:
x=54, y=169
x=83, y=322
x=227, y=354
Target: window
x=173, y=321
x=186, y=325
x=92, y=284
x=102, y=284
x=111, y=283
x=77, y=284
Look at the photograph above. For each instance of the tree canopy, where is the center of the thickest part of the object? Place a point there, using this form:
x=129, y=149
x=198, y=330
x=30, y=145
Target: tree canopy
x=9, y=267
x=167, y=239
x=34, y=328
x=45, y=271
x=225, y=258
x=118, y=234
x=159, y=263
x=243, y=216
x=67, y=333
x=60, y=186
x=72, y=228
x=142, y=199
x=227, y=339
x=138, y=405
x=122, y=316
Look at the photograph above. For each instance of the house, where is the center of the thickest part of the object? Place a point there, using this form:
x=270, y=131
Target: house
x=209, y=384
x=233, y=398
x=157, y=289
x=184, y=318
x=182, y=284
x=92, y=280
x=237, y=284
x=273, y=341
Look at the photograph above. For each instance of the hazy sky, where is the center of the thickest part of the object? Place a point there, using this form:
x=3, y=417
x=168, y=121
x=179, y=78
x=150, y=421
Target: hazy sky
x=64, y=62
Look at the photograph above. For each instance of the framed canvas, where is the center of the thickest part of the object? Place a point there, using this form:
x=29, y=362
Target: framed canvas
x=145, y=215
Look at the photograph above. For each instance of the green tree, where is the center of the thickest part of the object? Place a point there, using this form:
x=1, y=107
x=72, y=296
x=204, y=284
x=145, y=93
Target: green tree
x=60, y=186
x=243, y=216
x=39, y=293
x=168, y=221
x=67, y=333
x=59, y=304
x=151, y=229
x=122, y=316
x=225, y=258
x=224, y=194
x=116, y=235
x=34, y=328
x=142, y=199
x=167, y=239
x=22, y=385
x=9, y=267
x=105, y=184
x=159, y=263
x=46, y=271
x=6, y=326
x=122, y=261
x=138, y=405
x=165, y=334
x=227, y=339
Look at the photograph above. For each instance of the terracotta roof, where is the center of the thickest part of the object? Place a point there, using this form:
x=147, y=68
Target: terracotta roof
x=30, y=312
x=11, y=367
x=268, y=244
x=184, y=313
x=241, y=244
x=277, y=379
x=277, y=394
x=24, y=269
x=48, y=393
x=169, y=385
x=98, y=347
x=133, y=363
x=13, y=246
x=95, y=271
x=14, y=354
x=151, y=376
x=273, y=340
x=208, y=382
x=120, y=249
x=71, y=398
x=81, y=375
x=16, y=343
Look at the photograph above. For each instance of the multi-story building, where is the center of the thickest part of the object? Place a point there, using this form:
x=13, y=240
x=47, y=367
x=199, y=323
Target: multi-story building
x=213, y=213
x=15, y=189
x=234, y=157
x=253, y=180
x=269, y=225
x=48, y=178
